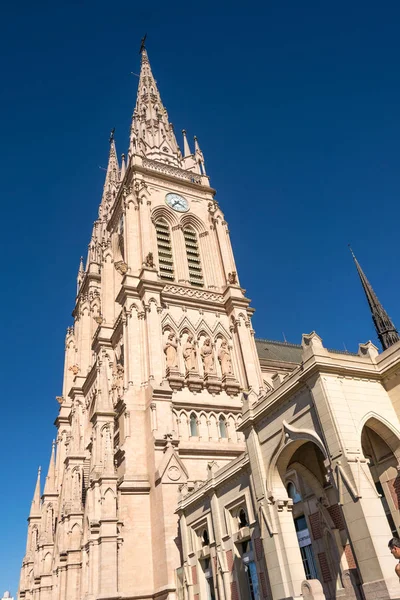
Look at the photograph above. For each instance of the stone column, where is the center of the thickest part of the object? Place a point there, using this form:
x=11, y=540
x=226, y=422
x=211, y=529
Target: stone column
x=367, y=526
x=185, y=549
x=133, y=253
x=251, y=364
x=133, y=366
x=223, y=589
x=278, y=534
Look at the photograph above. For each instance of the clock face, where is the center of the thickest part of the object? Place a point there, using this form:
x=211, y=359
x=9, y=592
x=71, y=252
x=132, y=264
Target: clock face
x=177, y=202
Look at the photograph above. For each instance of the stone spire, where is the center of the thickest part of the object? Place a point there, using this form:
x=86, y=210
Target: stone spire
x=199, y=156
x=35, y=506
x=81, y=273
x=50, y=484
x=112, y=174
x=385, y=329
x=152, y=135
x=123, y=168
x=186, y=148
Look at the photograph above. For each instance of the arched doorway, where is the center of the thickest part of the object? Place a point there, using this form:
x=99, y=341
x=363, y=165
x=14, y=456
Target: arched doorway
x=380, y=446
x=319, y=523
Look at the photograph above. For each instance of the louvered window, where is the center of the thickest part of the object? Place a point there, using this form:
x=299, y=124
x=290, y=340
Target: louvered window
x=193, y=257
x=165, y=260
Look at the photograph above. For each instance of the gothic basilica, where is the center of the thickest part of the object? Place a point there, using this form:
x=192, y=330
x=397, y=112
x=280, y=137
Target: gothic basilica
x=193, y=461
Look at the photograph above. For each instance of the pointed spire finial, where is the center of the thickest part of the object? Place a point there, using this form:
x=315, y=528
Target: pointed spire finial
x=35, y=506
x=50, y=484
x=111, y=135
x=151, y=134
x=199, y=156
x=123, y=167
x=384, y=326
x=143, y=43
x=186, y=147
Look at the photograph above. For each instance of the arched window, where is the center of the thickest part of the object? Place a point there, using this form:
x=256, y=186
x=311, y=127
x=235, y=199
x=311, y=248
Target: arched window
x=243, y=521
x=164, y=247
x=205, y=540
x=293, y=493
x=222, y=427
x=193, y=257
x=193, y=425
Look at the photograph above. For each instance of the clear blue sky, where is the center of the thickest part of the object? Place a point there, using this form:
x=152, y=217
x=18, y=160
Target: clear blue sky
x=296, y=106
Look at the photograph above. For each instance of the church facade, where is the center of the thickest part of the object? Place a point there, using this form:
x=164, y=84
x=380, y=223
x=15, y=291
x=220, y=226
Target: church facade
x=193, y=461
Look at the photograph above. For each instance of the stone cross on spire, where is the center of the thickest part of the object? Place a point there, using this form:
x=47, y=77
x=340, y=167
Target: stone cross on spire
x=152, y=135
x=385, y=329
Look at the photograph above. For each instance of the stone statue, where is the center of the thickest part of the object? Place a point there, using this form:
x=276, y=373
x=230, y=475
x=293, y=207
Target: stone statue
x=149, y=261
x=232, y=278
x=118, y=383
x=224, y=357
x=189, y=354
x=207, y=356
x=171, y=351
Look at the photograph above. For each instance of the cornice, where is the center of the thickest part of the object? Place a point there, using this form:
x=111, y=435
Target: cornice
x=213, y=449
x=148, y=285
x=314, y=366
x=165, y=176
x=233, y=297
x=222, y=476
x=200, y=405
x=129, y=289
x=90, y=379
x=84, y=288
x=182, y=295
x=102, y=337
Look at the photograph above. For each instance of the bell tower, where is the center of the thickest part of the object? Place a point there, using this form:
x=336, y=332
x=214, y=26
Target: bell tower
x=160, y=352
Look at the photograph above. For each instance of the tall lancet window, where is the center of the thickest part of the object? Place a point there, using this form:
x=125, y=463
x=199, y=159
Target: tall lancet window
x=193, y=257
x=164, y=247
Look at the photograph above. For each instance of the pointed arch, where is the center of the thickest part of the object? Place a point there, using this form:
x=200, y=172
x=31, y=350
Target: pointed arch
x=75, y=537
x=202, y=328
x=185, y=326
x=162, y=212
x=382, y=427
x=134, y=306
x=219, y=331
x=290, y=440
x=191, y=220
x=109, y=503
x=193, y=424
x=47, y=563
x=222, y=427
x=169, y=324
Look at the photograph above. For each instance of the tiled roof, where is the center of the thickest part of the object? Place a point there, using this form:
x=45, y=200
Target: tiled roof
x=278, y=351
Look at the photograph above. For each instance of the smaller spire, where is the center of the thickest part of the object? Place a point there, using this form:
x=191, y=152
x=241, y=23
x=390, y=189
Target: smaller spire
x=81, y=275
x=123, y=168
x=199, y=156
x=50, y=484
x=112, y=174
x=35, y=506
x=186, y=147
x=385, y=329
